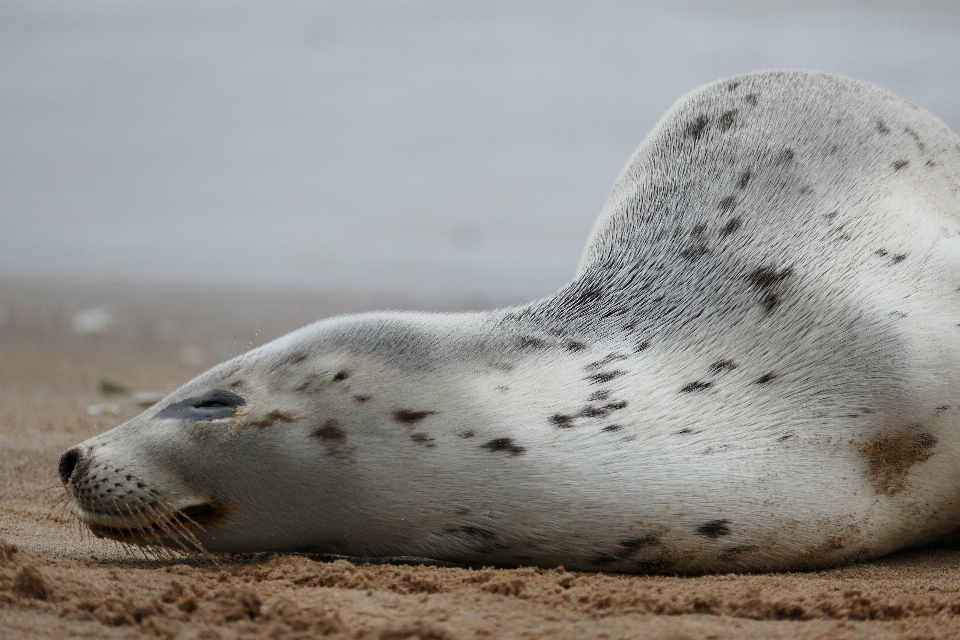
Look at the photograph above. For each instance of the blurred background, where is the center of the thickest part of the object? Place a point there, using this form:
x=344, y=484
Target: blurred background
x=182, y=180
x=455, y=151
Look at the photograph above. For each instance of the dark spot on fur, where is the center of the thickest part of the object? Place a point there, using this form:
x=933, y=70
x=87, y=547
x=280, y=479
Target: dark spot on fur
x=504, y=444
x=616, y=406
x=890, y=457
x=785, y=438
x=728, y=203
x=900, y=257
x=272, y=418
x=723, y=365
x=299, y=357
x=751, y=99
x=936, y=412
x=684, y=431
x=767, y=277
x=330, y=431
x=714, y=529
x=785, y=156
x=633, y=545
x=341, y=376
x=765, y=378
x=726, y=120
x=603, y=394
x=900, y=164
x=467, y=434
x=925, y=440
x=360, y=398
x=744, y=179
x=612, y=427
x=605, y=376
x=593, y=412
x=698, y=230
x=913, y=134
x=236, y=384
x=573, y=345
x=698, y=385
x=732, y=86
x=695, y=128
x=733, y=552
x=660, y=565
x=409, y=416
x=881, y=252
x=805, y=189
x=422, y=439
x=730, y=227
x=611, y=357
x=530, y=342
x=641, y=346
x=562, y=420
x=309, y=381
x=831, y=215
x=882, y=127
x=478, y=532
x=585, y=296
x=695, y=251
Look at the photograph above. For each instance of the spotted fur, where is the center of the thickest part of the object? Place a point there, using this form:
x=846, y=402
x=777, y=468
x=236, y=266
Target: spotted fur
x=755, y=367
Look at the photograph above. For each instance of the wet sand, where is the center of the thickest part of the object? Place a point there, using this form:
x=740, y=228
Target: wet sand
x=57, y=582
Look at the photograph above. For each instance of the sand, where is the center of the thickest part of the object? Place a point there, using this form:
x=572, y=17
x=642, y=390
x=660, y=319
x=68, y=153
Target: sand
x=57, y=582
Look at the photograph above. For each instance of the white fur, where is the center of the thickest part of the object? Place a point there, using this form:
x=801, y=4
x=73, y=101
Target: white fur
x=779, y=353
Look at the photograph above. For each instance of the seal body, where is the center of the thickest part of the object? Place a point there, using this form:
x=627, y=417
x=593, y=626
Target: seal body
x=756, y=367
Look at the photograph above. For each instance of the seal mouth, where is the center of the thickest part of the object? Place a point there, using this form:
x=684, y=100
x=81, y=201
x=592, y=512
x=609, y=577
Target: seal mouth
x=171, y=529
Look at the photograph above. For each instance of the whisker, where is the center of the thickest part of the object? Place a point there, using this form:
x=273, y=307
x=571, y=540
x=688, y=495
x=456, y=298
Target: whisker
x=183, y=532
x=256, y=334
x=158, y=522
x=149, y=525
x=118, y=513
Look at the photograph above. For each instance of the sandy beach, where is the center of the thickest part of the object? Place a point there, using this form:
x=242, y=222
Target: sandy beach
x=58, y=361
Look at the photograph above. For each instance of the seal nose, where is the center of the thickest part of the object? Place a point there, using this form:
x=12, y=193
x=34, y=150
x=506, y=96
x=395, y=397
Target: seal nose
x=68, y=462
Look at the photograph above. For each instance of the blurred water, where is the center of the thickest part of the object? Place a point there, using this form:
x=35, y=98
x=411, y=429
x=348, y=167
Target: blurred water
x=427, y=148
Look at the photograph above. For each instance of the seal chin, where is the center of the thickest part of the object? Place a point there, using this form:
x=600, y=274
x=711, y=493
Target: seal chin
x=168, y=529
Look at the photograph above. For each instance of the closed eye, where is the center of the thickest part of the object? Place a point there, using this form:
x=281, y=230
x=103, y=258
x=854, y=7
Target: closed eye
x=217, y=399
x=216, y=404
x=210, y=404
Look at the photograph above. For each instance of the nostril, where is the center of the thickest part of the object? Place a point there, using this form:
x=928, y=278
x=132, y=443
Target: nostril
x=68, y=462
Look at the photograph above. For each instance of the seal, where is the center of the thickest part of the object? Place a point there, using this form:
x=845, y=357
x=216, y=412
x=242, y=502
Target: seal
x=755, y=367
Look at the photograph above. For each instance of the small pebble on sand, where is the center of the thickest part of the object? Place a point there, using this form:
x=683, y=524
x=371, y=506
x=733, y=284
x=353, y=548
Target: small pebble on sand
x=148, y=398
x=103, y=409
